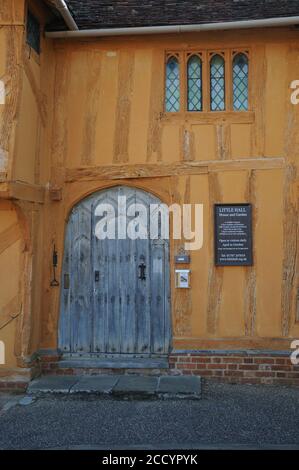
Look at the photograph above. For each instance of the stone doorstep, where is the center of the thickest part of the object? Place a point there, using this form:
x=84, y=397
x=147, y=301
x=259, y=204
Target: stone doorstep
x=119, y=386
x=129, y=363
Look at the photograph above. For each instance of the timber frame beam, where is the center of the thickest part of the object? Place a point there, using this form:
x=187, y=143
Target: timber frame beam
x=17, y=190
x=172, y=169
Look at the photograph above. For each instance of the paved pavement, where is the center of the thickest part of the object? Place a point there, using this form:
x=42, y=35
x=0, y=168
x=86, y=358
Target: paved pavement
x=129, y=387
x=7, y=401
x=227, y=416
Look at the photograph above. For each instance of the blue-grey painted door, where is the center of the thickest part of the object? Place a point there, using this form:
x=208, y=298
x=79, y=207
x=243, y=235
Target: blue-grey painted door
x=115, y=294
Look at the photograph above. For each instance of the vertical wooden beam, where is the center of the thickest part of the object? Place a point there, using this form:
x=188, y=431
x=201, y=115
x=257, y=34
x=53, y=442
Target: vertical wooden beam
x=187, y=143
x=94, y=62
x=8, y=115
x=37, y=164
x=258, y=68
x=24, y=322
x=123, y=110
x=250, y=284
x=215, y=273
x=290, y=205
x=290, y=228
x=59, y=129
x=223, y=141
x=154, y=147
x=182, y=308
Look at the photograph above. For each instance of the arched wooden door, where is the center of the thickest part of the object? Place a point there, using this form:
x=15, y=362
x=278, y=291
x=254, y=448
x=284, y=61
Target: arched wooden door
x=115, y=294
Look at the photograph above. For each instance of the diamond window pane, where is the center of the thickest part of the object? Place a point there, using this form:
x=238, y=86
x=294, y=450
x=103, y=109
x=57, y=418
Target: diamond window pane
x=172, y=92
x=240, y=82
x=194, y=84
x=217, y=71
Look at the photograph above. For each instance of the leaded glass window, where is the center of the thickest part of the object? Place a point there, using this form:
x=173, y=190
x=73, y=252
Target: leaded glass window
x=240, y=82
x=33, y=32
x=217, y=71
x=194, y=83
x=172, y=95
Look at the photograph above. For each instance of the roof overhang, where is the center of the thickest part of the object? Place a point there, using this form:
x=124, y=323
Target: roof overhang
x=62, y=8
x=175, y=29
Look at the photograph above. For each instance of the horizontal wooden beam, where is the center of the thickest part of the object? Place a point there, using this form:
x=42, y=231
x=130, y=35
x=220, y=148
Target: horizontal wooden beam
x=241, y=343
x=172, y=169
x=133, y=171
x=247, y=164
x=209, y=118
x=33, y=193
x=22, y=192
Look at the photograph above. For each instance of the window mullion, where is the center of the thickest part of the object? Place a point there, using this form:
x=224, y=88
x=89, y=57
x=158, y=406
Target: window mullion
x=228, y=81
x=205, y=82
x=183, y=75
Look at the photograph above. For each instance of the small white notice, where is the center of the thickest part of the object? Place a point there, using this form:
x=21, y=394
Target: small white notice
x=182, y=277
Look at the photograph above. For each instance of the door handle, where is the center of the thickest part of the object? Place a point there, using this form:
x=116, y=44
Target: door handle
x=142, y=272
x=97, y=276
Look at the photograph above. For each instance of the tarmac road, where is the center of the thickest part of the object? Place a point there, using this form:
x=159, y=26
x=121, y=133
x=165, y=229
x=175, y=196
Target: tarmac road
x=228, y=416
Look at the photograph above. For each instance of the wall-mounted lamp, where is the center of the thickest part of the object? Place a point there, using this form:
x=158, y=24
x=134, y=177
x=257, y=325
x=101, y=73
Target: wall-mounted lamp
x=54, y=282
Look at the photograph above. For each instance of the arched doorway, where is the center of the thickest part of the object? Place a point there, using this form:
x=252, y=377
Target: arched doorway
x=115, y=293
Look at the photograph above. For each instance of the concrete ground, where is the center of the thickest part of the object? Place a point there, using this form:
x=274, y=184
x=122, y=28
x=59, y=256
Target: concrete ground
x=228, y=416
x=7, y=401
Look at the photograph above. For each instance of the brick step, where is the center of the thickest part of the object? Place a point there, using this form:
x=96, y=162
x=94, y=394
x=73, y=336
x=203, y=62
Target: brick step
x=14, y=384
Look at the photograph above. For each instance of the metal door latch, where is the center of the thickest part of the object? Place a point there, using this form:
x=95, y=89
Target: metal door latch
x=142, y=272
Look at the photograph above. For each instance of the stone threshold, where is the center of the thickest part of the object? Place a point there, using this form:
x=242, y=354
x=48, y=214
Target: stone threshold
x=121, y=387
x=113, y=363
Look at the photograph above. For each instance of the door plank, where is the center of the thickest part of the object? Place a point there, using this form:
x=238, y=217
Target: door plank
x=143, y=290
x=64, y=339
x=100, y=288
x=81, y=310
x=128, y=280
